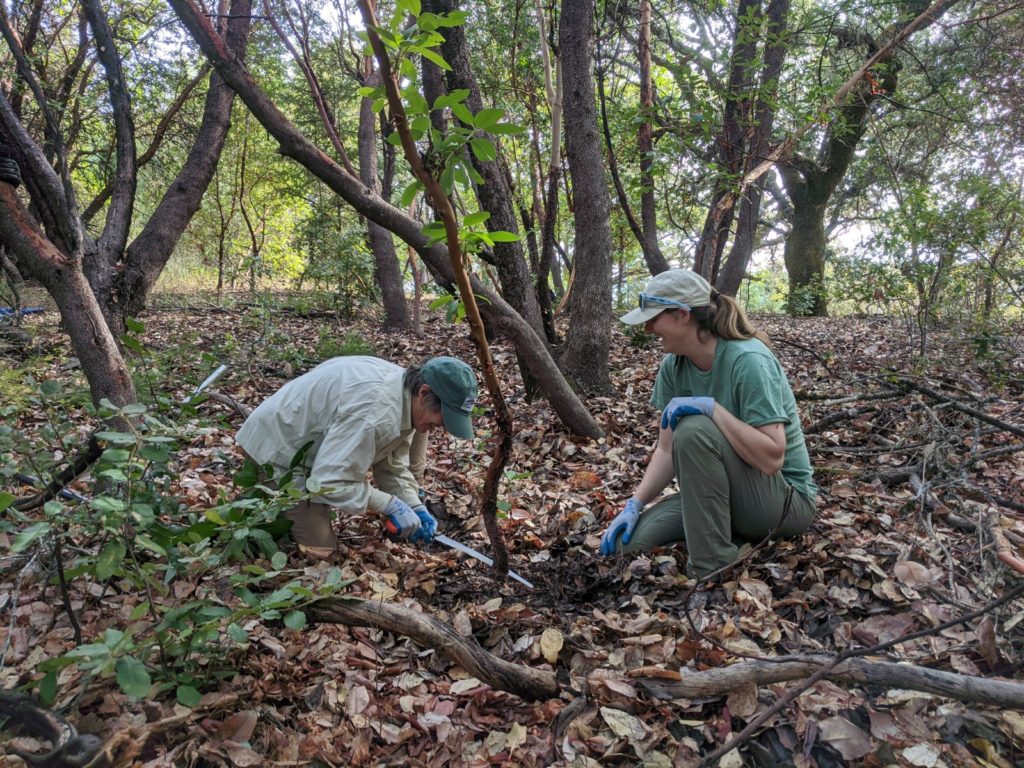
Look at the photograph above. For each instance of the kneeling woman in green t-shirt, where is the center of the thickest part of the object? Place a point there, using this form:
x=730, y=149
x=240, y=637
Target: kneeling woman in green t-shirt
x=730, y=432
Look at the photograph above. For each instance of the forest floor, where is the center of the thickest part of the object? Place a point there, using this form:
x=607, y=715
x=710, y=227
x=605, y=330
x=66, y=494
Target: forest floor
x=921, y=514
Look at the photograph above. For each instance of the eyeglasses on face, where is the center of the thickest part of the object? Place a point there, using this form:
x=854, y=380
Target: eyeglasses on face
x=647, y=300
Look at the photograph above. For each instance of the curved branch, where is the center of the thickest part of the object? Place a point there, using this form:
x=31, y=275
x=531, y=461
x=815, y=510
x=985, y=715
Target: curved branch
x=523, y=681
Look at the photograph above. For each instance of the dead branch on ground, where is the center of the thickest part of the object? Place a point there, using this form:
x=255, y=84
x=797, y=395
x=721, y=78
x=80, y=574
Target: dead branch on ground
x=525, y=682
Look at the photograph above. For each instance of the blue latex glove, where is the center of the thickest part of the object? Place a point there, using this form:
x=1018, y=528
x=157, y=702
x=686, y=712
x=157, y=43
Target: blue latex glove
x=686, y=406
x=400, y=520
x=428, y=526
x=624, y=523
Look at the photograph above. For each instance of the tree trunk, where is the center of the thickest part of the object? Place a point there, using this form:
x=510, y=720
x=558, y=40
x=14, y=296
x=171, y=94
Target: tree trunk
x=294, y=144
x=494, y=195
x=811, y=184
x=804, y=254
x=62, y=276
x=385, y=258
x=656, y=262
x=586, y=353
x=147, y=255
x=743, y=142
x=758, y=146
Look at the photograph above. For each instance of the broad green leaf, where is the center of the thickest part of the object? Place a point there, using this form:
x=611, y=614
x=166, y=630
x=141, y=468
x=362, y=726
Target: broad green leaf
x=49, y=388
x=188, y=696
x=479, y=217
x=462, y=112
x=48, y=688
x=415, y=103
x=147, y=543
x=116, y=438
x=410, y=193
x=483, y=149
x=133, y=344
x=441, y=301
x=394, y=139
x=25, y=538
x=133, y=677
x=452, y=19
x=408, y=69
x=133, y=325
x=449, y=99
x=214, y=517
x=279, y=561
x=501, y=236
x=238, y=634
x=6, y=499
x=110, y=559
x=429, y=55
x=412, y=7
x=295, y=620
x=133, y=409
x=115, y=455
x=107, y=504
x=485, y=118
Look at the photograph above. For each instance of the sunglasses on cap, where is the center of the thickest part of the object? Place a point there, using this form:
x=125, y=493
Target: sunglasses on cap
x=647, y=300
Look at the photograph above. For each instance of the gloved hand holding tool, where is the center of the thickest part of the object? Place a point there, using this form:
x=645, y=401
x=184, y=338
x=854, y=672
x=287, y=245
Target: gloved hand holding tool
x=400, y=520
x=624, y=523
x=686, y=406
x=428, y=526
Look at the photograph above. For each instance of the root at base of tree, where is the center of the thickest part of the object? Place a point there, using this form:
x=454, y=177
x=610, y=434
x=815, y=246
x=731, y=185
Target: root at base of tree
x=531, y=684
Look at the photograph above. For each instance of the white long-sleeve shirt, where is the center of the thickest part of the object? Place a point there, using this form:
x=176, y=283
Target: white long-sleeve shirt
x=356, y=413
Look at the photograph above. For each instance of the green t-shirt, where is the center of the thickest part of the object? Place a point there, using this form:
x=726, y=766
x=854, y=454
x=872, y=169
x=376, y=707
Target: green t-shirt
x=747, y=380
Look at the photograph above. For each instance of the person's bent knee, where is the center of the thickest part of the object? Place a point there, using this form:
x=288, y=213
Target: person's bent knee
x=695, y=432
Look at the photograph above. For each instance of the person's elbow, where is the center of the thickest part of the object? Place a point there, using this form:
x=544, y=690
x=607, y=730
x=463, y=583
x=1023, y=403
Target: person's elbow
x=772, y=452
x=771, y=464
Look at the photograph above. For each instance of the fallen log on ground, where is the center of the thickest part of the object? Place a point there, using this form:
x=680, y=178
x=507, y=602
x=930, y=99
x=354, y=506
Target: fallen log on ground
x=886, y=674
x=523, y=681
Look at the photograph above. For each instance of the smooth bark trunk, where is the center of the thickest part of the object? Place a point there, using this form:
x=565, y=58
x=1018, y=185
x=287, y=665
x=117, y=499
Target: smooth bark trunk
x=587, y=343
x=386, y=270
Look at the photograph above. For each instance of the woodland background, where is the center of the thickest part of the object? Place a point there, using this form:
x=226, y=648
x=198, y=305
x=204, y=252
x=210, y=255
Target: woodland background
x=187, y=186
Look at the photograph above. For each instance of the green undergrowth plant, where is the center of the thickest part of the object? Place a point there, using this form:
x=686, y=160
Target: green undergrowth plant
x=191, y=583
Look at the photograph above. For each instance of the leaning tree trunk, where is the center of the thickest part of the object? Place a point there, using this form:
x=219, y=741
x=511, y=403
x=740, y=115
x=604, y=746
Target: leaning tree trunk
x=385, y=258
x=62, y=276
x=587, y=343
x=294, y=144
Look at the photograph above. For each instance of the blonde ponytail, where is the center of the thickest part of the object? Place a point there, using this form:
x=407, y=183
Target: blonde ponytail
x=725, y=318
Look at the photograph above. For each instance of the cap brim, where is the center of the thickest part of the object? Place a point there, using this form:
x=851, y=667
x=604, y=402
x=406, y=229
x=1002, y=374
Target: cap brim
x=638, y=315
x=457, y=423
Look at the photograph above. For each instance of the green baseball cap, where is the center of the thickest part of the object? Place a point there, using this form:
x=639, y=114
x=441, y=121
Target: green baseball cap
x=454, y=383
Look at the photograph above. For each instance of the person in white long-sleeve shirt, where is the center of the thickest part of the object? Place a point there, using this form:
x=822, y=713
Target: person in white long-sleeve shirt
x=353, y=416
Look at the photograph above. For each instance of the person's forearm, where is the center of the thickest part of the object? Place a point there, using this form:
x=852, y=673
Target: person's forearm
x=658, y=474
x=750, y=443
